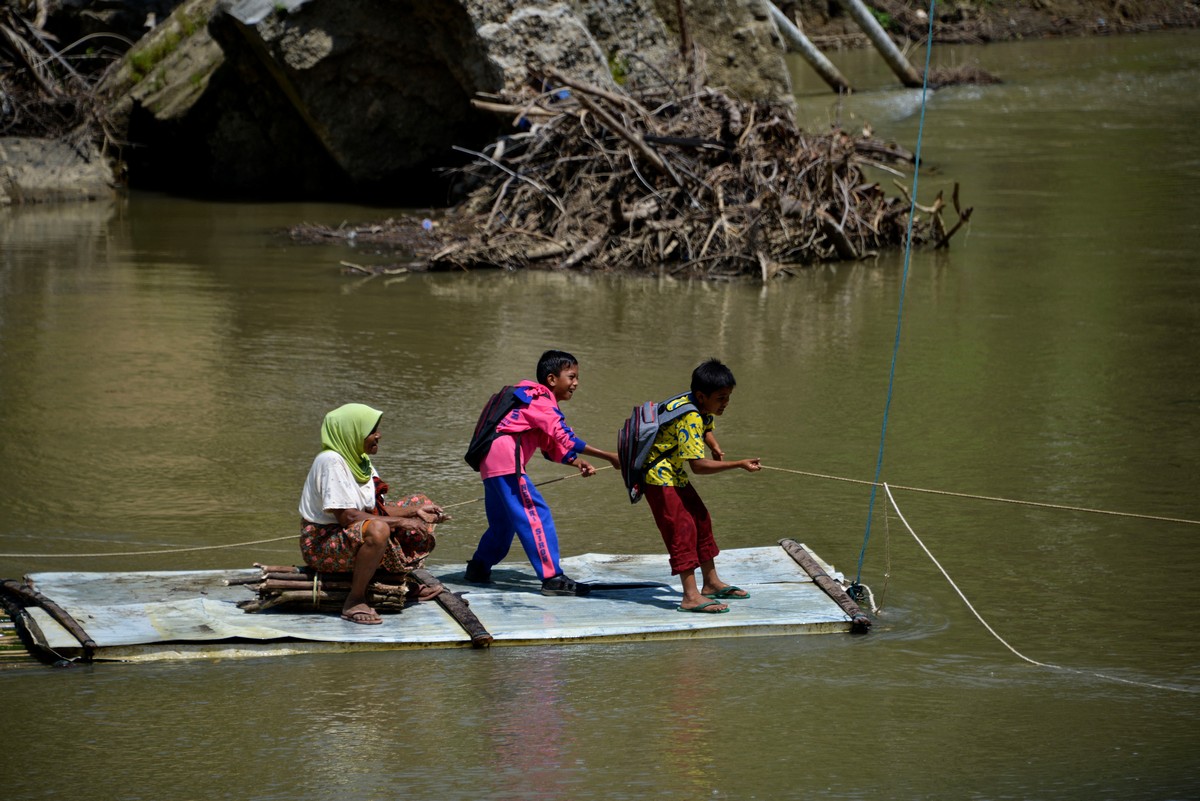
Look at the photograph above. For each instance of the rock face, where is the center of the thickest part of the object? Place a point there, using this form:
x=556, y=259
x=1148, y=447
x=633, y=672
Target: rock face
x=742, y=47
x=365, y=98
x=47, y=170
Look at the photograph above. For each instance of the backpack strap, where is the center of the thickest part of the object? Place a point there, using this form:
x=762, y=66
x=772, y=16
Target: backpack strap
x=498, y=406
x=665, y=418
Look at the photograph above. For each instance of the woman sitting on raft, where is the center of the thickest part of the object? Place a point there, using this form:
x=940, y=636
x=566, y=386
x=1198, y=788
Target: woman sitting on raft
x=345, y=523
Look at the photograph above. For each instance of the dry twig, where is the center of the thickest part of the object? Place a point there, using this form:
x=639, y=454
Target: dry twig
x=615, y=180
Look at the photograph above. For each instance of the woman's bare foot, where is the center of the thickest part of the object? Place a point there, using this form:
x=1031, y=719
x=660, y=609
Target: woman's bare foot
x=425, y=593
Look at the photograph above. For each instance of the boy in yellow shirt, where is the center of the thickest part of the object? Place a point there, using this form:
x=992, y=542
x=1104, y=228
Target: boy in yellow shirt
x=681, y=516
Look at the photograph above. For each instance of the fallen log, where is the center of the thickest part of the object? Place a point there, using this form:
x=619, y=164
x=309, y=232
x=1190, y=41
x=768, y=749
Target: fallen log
x=457, y=609
x=859, y=620
x=799, y=43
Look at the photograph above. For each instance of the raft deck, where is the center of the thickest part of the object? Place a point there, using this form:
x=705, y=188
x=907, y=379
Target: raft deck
x=146, y=616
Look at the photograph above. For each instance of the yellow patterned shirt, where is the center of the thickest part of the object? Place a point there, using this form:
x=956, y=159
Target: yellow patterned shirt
x=676, y=444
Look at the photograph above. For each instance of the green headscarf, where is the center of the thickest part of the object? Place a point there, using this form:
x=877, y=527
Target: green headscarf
x=344, y=430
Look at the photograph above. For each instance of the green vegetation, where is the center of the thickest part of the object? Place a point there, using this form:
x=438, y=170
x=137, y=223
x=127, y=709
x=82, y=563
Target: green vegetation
x=882, y=17
x=143, y=60
x=618, y=67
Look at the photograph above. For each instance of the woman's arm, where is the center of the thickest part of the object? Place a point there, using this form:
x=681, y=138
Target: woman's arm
x=348, y=517
x=429, y=512
x=411, y=518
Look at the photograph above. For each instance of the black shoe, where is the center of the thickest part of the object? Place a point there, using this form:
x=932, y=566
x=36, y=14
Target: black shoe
x=477, y=573
x=561, y=585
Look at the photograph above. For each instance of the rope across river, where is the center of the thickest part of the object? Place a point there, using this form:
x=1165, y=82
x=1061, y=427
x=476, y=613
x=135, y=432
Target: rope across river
x=806, y=473
x=975, y=497
x=236, y=544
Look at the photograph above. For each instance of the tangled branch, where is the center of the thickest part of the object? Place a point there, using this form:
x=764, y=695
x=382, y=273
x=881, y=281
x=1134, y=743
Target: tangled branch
x=700, y=185
x=46, y=91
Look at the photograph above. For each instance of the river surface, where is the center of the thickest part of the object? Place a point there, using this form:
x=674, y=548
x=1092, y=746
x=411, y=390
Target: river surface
x=165, y=363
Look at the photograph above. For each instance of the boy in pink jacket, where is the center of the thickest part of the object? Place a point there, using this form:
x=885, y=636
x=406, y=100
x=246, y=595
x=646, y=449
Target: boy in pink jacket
x=512, y=502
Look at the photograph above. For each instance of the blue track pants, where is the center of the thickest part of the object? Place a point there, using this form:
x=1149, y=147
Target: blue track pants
x=514, y=506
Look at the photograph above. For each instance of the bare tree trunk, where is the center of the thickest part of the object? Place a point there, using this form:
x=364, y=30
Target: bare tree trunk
x=801, y=44
x=907, y=74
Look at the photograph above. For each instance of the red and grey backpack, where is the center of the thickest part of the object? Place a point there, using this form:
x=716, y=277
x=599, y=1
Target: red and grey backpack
x=636, y=438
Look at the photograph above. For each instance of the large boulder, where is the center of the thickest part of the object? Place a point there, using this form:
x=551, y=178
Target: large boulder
x=49, y=170
x=368, y=97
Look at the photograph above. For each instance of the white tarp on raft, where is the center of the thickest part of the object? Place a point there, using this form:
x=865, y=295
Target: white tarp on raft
x=169, y=615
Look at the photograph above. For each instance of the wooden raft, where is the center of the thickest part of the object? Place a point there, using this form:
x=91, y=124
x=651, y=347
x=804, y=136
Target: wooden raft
x=305, y=588
x=287, y=585
x=157, y=615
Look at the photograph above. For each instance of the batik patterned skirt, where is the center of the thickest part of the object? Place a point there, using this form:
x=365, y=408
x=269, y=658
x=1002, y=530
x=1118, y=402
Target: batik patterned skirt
x=331, y=548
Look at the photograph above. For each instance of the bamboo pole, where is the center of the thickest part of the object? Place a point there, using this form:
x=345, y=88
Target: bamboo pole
x=858, y=620
x=293, y=573
x=905, y=71
x=802, y=45
x=323, y=600
x=12, y=643
x=278, y=585
x=60, y=615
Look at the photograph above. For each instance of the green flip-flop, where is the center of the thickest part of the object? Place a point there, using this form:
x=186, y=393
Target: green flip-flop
x=704, y=608
x=727, y=594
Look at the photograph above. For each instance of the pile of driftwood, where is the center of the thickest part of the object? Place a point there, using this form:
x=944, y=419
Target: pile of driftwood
x=687, y=181
x=304, y=588
x=700, y=185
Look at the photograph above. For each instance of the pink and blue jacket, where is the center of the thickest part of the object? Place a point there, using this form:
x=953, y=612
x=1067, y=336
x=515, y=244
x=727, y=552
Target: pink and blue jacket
x=539, y=425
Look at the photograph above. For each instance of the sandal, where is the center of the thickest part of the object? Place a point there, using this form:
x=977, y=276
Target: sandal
x=704, y=608
x=728, y=593
x=363, y=615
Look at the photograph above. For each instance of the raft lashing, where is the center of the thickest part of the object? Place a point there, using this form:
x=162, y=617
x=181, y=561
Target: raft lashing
x=280, y=610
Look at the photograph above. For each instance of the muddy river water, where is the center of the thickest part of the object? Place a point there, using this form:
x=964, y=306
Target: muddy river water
x=165, y=363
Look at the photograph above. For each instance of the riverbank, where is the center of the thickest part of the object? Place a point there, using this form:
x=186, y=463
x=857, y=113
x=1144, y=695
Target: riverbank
x=988, y=21
x=171, y=144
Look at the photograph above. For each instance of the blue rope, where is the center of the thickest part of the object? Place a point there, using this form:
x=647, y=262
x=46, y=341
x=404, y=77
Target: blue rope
x=903, y=285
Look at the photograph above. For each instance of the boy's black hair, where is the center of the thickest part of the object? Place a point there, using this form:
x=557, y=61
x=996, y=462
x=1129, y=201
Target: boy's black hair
x=710, y=376
x=553, y=362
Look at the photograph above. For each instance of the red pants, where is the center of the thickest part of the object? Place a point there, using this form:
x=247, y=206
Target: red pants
x=686, y=528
